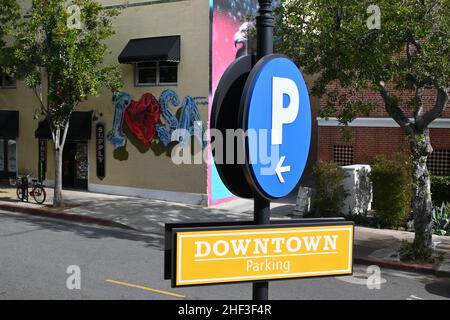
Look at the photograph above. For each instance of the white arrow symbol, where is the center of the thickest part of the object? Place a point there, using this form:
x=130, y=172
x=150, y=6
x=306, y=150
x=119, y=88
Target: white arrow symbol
x=280, y=169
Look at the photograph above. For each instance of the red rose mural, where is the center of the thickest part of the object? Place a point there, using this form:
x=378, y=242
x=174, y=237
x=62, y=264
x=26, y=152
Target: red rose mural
x=141, y=117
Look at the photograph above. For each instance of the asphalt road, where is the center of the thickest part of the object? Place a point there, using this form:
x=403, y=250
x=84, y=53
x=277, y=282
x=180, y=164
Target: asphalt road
x=35, y=254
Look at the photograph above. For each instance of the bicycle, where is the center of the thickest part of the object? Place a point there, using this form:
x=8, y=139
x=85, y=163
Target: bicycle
x=37, y=189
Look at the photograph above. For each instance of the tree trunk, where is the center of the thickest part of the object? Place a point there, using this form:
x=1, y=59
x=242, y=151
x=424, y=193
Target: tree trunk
x=421, y=200
x=57, y=193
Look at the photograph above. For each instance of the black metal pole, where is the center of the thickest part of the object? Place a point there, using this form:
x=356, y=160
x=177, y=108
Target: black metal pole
x=264, y=24
x=262, y=216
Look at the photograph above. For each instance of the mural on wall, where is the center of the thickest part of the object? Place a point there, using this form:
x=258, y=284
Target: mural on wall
x=191, y=121
x=150, y=118
x=116, y=136
x=169, y=124
x=142, y=116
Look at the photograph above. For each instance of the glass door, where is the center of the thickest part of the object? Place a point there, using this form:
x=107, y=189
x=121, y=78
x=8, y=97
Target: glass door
x=12, y=157
x=82, y=166
x=8, y=157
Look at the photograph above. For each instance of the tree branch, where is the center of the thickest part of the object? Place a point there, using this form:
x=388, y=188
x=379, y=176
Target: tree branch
x=43, y=108
x=394, y=111
x=415, y=43
x=66, y=129
x=439, y=107
x=418, y=113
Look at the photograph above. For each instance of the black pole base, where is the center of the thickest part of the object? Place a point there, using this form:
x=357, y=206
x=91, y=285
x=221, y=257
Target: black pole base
x=261, y=291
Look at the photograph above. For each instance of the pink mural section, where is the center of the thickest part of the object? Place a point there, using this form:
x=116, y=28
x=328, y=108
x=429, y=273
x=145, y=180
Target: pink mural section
x=229, y=23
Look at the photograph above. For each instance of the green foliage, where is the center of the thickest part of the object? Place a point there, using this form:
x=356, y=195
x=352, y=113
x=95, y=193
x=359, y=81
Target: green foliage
x=440, y=189
x=47, y=48
x=331, y=38
x=441, y=219
x=392, y=180
x=329, y=190
x=408, y=252
x=9, y=13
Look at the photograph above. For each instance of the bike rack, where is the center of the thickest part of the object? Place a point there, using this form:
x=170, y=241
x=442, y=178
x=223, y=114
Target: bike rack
x=24, y=186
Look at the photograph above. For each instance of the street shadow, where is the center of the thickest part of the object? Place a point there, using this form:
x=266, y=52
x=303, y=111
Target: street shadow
x=439, y=288
x=87, y=231
x=280, y=211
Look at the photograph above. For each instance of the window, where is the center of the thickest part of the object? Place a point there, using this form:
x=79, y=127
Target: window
x=156, y=73
x=439, y=163
x=343, y=155
x=7, y=81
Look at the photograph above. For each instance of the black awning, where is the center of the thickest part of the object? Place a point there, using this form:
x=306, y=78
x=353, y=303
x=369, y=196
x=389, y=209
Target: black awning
x=151, y=49
x=9, y=124
x=80, y=126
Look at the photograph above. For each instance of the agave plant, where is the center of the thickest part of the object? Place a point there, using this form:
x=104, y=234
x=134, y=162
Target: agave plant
x=441, y=219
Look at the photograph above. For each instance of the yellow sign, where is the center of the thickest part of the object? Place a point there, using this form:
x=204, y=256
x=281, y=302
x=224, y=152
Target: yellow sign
x=220, y=256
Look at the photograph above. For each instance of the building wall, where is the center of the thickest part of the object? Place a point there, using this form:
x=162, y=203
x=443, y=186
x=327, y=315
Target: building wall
x=429, y=99
x=146, y=168
x=376, y=134
x=369, y=142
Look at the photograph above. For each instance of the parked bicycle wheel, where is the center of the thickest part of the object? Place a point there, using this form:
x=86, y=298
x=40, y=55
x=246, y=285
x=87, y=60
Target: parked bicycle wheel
x=39, y=194
x=19, y=193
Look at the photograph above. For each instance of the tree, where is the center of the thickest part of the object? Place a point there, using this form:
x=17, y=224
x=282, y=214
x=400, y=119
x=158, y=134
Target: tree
x=59, y=52
x=389, y=48
x=9, y=13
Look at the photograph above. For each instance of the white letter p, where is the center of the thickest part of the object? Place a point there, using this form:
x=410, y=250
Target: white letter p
x=280, y=114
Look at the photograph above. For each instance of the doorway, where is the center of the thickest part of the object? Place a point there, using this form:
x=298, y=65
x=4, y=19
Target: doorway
x=8, y=157
x=75, y=166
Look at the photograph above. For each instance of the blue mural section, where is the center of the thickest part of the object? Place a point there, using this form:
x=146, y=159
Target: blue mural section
x=116, y=136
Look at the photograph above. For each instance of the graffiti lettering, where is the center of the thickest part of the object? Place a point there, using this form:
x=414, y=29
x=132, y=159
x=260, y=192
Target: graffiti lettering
x=116, y=136
x=148, y=116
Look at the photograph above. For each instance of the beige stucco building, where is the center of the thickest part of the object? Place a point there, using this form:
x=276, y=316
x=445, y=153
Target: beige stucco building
x=135, y=168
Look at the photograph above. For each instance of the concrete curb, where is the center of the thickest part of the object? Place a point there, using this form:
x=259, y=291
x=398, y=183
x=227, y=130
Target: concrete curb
x=58, y=214
x=427, y=269
x=444, y=269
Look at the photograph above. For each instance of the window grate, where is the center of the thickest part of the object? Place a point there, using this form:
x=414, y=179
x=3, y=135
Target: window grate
x=343, y=155
x=439, y=163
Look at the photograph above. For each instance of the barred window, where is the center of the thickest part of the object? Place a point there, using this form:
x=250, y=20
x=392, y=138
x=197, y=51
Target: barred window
x=439, y=162
x=343, y=155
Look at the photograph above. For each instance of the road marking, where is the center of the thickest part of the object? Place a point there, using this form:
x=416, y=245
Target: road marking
x=413, y=297
x=146, y=288
x=360, y=278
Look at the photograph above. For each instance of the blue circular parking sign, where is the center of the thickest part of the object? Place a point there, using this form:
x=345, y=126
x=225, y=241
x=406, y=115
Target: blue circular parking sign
x=276, y=118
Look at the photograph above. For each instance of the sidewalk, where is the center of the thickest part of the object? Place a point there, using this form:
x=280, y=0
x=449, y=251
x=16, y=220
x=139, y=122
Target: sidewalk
x=372, y=246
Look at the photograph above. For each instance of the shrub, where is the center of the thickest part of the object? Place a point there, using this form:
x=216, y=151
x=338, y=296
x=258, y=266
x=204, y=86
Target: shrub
x=440, y=189
x=408, y=252
x=330, y=192
x=392, y=181
x=441, y=219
